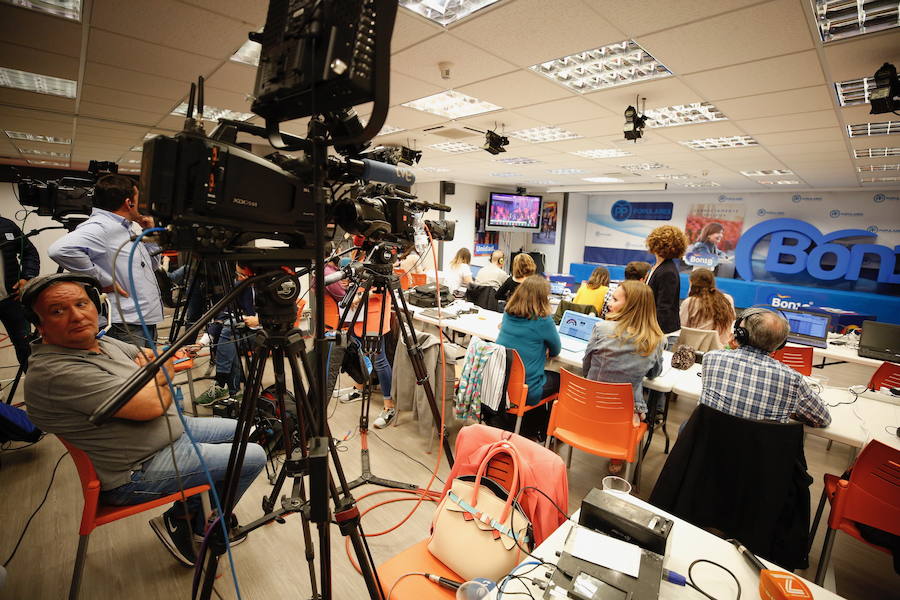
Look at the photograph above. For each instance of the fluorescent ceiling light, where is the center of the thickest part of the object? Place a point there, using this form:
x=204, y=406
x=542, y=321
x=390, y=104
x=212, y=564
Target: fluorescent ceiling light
x=444, y=12
x=766, y=173
x=506, y=174
x=129, y=170
x=452, y=105
x=602, y=153
x=48, y=163
x=876, y=152
x=874, y=168
x=210, y=113
x=454, y=147
x=647, y=166
x=672, y=176
x=43, y=152
x=863, y=129
x=779, y=182
x=132, y=161
x=683, y=114
x=137, y=148
x=839, y=19
x=389, y=129
x=604, y=67
x=514, y=160
x=602, y=179
x=248, y=54
x=880, y=179
x=855, y=91
x=32, y=137
x=67, y=9
x=434, y=169
x=699, y=184
x=39, y=84
x=735, y=141
x=566, y=171
x=539, y=135
x=540, y=182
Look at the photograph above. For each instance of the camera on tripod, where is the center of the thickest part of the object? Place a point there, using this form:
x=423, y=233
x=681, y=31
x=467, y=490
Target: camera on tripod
x=67, y=200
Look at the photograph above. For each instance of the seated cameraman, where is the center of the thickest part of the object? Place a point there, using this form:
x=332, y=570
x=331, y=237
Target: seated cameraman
x=72, y=373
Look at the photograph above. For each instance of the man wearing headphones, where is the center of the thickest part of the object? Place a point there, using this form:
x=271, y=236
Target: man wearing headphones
x=750, y=384
x=142, y=452
x=91, y=250
x=493, y=274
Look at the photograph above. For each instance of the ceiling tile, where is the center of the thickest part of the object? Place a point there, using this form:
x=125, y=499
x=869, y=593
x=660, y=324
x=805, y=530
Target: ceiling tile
x=11, y=97
x=860, y=114
x=32, y=29
x=521, y=88
x=800, y=137
x=769, y=75
x=501, y=120
x=861, y=56
x=38, y=61
x=563, y=111
x=405, y=89
x=470, y=63
x=251, y=12
x=110, y=97
x=108, y=48
x=121, y=114
x=410, y=118
x=144, y=84
x=803, y=120
x=55, y=128
x=698, y=131
x=411, y=28
x=778, y=103
x=233, y=77
x=667, y=91
x=639, y=18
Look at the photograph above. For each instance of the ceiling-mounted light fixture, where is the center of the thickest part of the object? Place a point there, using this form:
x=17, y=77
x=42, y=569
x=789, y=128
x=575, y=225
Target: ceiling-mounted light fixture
x=887, y=88
x=634, y=123
x=494, y=142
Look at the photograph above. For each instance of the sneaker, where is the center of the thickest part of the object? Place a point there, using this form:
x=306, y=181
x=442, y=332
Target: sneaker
x=175, y=534
x=232, y=541
x=385, y=418
x=353, y=397
x=213, y=394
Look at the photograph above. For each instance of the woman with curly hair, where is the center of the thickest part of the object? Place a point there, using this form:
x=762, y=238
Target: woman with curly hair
x=708, y=308
x=666, y=243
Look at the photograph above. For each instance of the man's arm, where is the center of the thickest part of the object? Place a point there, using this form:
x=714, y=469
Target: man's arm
x=77, y=251
x=810, y=408
x=152, y=400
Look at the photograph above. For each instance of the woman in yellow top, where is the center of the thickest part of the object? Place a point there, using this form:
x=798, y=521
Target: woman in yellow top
x=593, y=291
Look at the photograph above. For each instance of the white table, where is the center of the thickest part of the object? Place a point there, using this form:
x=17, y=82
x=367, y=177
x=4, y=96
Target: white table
x=687, y=543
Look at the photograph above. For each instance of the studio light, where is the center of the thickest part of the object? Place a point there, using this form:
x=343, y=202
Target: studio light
x=884, y=98
x=495, y=143
x=634, y=124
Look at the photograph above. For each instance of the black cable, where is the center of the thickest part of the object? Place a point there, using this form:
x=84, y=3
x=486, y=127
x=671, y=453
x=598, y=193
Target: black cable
x=27, y=523
x=23, y=447
x=690, y=579
x=424, y=466
x=855, y=398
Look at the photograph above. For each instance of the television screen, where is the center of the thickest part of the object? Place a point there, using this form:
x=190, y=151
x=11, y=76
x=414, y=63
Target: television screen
x=512, y=212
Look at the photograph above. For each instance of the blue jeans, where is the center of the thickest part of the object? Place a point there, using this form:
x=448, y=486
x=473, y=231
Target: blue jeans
x=228, y=360
x=158, y=477
x=382, y=367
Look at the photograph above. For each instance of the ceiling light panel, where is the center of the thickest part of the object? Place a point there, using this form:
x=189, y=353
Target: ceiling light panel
x=514, y=160
x=699, y=184
x=67, y=9
x=778, y=182
x=602, y=153
x=672, y=176
x=434, y=169
x=389, y=129
x=48, y=163
x=839, y=19
x=735, y=141
x=540, y=135
x=683, y=114
x=602, y=179
x=540, y=182
x=452, y=105
x=880, y=179
x=32, y=137
x=505, y=174
x=210, y=113
x=137, y=148
x=444, y=12
x=876, y=152
x=454, y=147
x=863, y=129
x=766, y=173
x=50, y=153
x=647, y=166
x=876, y=168
x=855, y=91
x=566, y=171
x=39, y=84
x=248, y=54
x=604, y=67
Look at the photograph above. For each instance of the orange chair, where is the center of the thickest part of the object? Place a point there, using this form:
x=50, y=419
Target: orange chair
x=518, y=391
x=418, y=279
x=94, y=514
x=596, y=417
x=404, y=277
x=870, y=497
x=798, y=358
x=887, y=375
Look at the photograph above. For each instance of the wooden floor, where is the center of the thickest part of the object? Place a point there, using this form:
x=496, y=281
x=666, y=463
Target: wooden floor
x=125, y=560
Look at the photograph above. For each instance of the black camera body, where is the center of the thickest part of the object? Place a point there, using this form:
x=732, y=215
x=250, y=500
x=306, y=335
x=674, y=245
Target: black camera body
x=62, y=199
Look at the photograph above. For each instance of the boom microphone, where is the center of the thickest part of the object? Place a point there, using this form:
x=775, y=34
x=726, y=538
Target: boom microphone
x=372, y=170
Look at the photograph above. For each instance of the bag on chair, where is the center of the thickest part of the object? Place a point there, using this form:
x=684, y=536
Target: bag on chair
x=474, y=525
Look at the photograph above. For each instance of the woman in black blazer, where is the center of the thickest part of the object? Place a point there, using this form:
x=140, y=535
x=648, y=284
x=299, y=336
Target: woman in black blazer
x=666, y=243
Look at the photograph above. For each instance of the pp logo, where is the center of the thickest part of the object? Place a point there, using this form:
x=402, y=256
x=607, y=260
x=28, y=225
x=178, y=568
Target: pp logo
x=879, y=198
x=621, y=210
x=872, y=228
x=796, y=198
x=834, y=214
x=723, y=198
x=761, y=212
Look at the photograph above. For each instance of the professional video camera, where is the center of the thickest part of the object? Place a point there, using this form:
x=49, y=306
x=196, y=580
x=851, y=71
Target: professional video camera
x=67, y=200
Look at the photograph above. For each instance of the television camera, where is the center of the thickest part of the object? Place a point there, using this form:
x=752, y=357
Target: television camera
x=67, y=200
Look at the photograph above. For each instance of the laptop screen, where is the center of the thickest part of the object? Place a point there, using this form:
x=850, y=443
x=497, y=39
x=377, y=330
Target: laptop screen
x=883, y=337
x=557, y=287
x=577, y=325
x=807, y=325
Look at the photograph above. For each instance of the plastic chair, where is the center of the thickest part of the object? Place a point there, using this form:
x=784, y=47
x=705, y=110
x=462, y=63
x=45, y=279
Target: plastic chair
x=870, y=497
x=887, y=375
x=404, y=278
x=798, y=358
x=596, y=417
x=701, y=340
x=95, y=514
x=517, y=391
x=418, y=279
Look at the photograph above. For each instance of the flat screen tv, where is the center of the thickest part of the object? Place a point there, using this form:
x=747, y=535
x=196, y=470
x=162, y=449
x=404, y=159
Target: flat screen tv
x=513, y=212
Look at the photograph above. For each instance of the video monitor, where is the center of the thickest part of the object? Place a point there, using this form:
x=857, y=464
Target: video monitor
x=513, y=212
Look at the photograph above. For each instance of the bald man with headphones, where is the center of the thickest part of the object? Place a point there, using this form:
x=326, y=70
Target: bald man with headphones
x=141, y=453
x=750, y=384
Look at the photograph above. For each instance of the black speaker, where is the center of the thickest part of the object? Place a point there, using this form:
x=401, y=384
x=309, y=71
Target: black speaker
x=448, y=188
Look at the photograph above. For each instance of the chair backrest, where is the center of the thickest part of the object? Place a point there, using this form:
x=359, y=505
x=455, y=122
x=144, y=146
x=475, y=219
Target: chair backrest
x=564, y=305
x=90, y=485
x=517, y=389
x=872, y=496
x=418, y=279
x=798, y=358
x=701, y=340
x=595, y=409
x=404, y=278
x=887, y=375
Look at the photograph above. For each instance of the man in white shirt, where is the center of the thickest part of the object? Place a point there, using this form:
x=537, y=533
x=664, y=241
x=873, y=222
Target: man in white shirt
x=493, y=274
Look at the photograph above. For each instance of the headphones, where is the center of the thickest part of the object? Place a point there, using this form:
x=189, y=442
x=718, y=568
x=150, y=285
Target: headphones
x=742, y=336
x=36, y=286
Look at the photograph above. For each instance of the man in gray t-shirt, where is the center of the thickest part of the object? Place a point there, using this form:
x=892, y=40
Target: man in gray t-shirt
x=143, y=452
x=493, y=274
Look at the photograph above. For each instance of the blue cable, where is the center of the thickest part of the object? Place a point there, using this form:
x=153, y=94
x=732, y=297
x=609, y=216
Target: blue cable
x=509, y=577
x=132, y=289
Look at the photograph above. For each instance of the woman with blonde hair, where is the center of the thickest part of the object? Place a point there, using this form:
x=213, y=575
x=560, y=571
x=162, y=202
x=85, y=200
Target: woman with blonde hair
x=458, y=274
x=593, y=291
x=708, y=308
x=523, y=266
x=528, y=329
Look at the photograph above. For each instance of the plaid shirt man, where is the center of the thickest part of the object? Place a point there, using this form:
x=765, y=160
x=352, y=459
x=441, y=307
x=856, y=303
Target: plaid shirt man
x=750, y=384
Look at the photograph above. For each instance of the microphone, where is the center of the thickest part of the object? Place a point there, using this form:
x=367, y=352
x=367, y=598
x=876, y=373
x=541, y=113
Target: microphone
x=775, y=585
x=373, y=170
x=443, y=581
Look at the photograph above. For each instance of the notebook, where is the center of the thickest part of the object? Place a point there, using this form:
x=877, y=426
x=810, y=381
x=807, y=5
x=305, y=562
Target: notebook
x=880, y=341
x=575, y=330
x=807, y=328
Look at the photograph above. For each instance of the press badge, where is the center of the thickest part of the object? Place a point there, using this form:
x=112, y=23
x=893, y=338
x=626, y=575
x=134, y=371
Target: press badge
x=10, y=236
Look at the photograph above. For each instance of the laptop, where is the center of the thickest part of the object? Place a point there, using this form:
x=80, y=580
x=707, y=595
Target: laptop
x=807, y=328
x=575, y=330
x=880, y=341
x=557, y=288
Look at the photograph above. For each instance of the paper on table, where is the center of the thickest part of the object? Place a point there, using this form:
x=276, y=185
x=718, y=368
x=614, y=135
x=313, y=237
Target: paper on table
x=605, y=551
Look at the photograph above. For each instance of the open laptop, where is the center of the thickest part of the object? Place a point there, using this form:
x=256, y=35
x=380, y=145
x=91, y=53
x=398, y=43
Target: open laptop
x=807, y=328
x=880, y=341
x=575, y=330
x=557, y=288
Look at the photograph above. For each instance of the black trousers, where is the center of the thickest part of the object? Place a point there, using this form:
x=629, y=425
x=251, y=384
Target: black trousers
x=12, y=315
x=133, y=334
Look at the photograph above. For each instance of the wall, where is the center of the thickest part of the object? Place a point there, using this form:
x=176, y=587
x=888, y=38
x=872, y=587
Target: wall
x=11, y=209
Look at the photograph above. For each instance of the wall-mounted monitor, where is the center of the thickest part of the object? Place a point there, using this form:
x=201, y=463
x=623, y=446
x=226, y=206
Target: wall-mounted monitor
x=513, y=212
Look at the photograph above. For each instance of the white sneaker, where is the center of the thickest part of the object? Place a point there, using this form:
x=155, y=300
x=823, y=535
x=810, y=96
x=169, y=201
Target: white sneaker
x=385, y=418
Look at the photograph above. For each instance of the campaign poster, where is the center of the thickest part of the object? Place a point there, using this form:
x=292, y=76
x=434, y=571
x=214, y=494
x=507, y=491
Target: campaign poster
x=485, y=241
x=547, y=234
x=713, y=232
